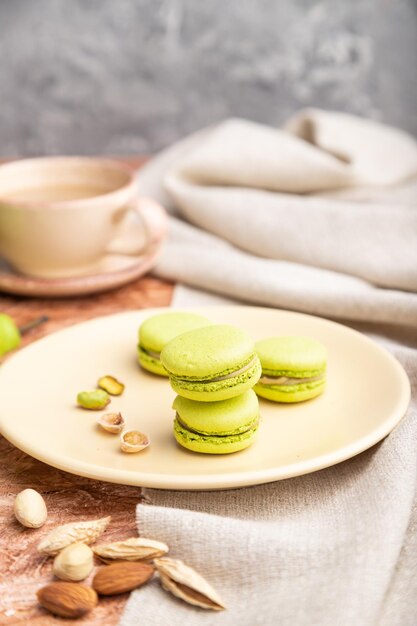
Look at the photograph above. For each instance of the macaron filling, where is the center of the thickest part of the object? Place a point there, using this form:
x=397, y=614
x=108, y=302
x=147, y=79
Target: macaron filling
x=238, y=431
x=227, y=376
x=293, y=368
x=189, y=433
x=288, y=381
x=206, y=390
x=213, y=443
x=151, y=353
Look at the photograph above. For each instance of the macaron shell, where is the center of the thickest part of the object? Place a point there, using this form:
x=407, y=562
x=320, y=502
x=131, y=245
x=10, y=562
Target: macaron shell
x=226, y=417
x=210, y=444
x=300, y=357
x=150, y=364
x=293, y=393
x=158, y=330
x=220, y=390
x=208, y=352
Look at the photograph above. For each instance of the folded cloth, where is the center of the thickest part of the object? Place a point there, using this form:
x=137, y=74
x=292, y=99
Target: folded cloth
x=337, y=547
x=297, y=218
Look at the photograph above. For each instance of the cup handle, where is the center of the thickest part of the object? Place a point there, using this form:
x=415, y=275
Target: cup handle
x=155, y=223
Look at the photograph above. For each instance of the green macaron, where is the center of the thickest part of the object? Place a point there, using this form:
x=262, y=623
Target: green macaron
x=158, y=330
x=211, y=363
x=216, y=427
x=293, y=368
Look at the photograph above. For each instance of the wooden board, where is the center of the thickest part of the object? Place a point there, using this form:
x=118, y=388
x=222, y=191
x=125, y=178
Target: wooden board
x=68, y=497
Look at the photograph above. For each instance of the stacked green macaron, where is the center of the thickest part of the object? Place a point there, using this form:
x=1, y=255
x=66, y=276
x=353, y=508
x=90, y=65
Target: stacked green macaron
x=158, y=330
x=212, y=369
x=293, y=368
x=211, y=363
x=216, y=427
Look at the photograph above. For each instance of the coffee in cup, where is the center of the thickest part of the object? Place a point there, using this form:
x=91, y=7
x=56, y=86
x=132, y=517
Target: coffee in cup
x=60, y=215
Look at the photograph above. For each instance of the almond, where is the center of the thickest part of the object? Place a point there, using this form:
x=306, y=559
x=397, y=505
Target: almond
x=121, y=577
x=67, y=599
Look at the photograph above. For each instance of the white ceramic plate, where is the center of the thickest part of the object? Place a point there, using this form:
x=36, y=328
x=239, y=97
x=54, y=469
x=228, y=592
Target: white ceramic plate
x=367, y=395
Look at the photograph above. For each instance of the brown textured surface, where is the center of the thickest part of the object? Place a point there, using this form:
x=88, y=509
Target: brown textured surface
x=68, y=497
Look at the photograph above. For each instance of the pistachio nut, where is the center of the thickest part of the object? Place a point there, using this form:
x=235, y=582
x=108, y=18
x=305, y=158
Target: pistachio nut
x=111, y=385
x=93, y=400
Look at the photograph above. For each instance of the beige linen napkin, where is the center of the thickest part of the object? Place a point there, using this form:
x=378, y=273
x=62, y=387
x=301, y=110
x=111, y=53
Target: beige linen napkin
x=321, y=217
x=338, y=547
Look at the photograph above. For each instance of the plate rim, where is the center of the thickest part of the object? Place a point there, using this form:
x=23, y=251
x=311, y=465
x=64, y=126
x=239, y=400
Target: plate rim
x=230, y=480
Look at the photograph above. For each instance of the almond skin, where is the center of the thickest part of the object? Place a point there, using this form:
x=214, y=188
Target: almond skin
x=121, y=577
x=67, y=599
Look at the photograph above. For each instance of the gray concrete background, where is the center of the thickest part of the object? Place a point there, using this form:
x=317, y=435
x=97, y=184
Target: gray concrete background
x=131, y=76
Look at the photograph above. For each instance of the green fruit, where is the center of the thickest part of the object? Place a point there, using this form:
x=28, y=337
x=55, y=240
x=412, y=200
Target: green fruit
x=9, y=334
x=93, y=400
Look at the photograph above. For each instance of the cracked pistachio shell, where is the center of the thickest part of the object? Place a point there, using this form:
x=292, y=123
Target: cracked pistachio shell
x=185, y=583
x=111, y=385
x=132, y=441
x=111, y=422
x=93, y=400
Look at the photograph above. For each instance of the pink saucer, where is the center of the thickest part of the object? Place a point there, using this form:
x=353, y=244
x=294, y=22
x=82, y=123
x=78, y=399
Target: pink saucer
x=114, y=270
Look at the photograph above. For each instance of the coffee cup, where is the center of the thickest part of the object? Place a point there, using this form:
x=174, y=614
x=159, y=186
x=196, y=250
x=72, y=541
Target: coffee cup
x=59, y=216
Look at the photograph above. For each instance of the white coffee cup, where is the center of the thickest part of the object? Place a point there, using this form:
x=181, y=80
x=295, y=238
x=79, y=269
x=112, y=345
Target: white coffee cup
x=60, y=215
